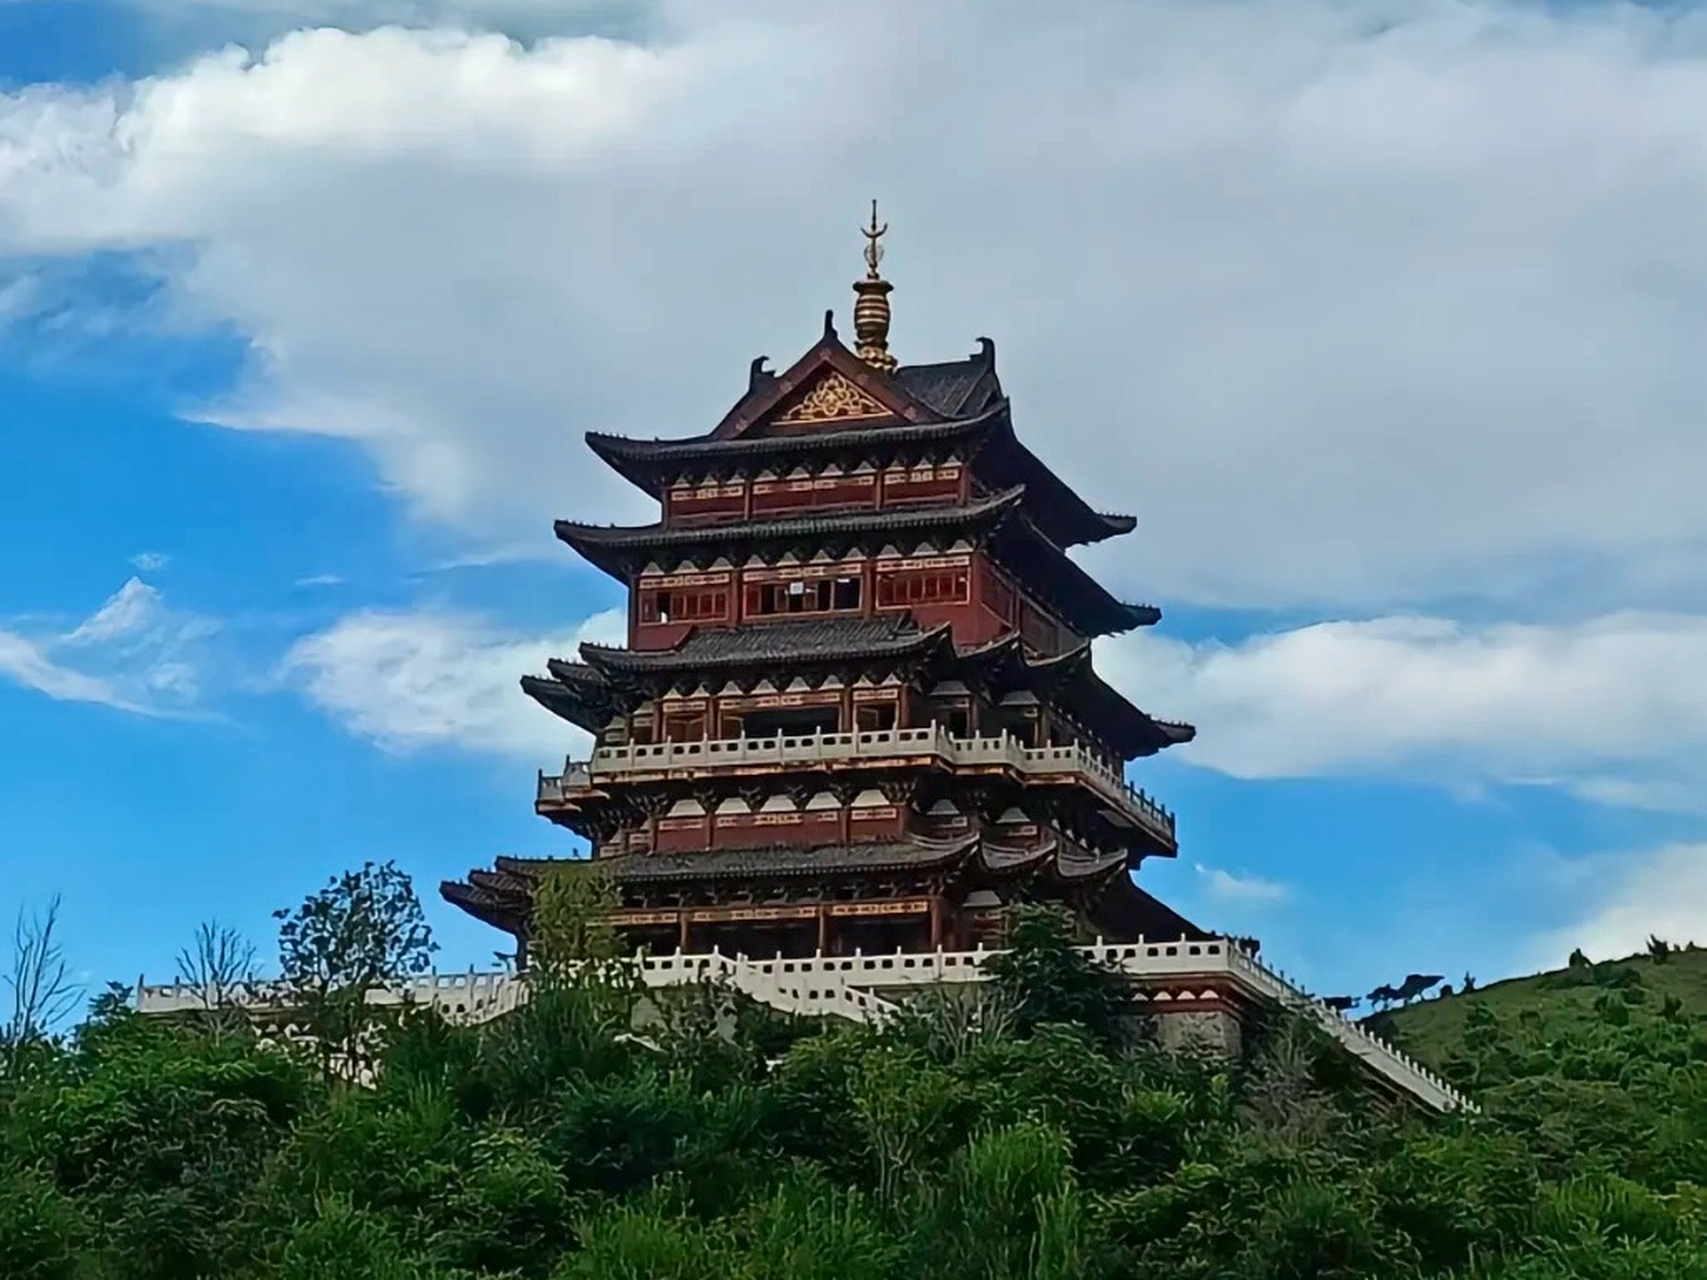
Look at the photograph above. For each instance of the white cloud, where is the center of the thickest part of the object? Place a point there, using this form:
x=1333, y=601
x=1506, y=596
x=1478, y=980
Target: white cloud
x=320, y=580
x=134, y=653
x=493, y=14
x=436, y=678
x=1229, y=887
x=150, y=561
x=131, y=611
x=25, y=662
x=1355, y=306
x=1659, y=892
x=18, y=298
x=1614, y=708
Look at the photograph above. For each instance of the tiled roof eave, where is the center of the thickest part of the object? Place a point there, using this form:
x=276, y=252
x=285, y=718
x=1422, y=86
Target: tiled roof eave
x=1085, y=603
x=588, y=709
x=1132, y=911
x=589, y=539
x=817, y=644
x=786, y=862
x=657, y=453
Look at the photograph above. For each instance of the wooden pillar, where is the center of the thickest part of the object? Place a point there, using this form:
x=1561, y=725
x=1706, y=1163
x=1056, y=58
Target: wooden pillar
x=936, y=921
x=823, y=928
x=682, y=930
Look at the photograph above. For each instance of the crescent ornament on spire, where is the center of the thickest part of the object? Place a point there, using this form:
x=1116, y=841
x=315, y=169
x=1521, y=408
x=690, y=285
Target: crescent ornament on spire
x=873, y=250
x=871, y=310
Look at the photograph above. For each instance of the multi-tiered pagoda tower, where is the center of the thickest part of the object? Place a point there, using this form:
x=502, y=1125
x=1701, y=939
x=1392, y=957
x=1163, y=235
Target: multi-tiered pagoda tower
x=857, y=708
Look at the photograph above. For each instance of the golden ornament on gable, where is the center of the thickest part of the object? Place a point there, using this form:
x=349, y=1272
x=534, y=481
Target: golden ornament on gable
x=832, y=397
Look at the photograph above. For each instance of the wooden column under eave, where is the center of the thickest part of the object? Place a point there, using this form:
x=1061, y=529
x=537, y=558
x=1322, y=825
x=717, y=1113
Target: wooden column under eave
x=823, y=929
x=936, y=921
x=682, y=931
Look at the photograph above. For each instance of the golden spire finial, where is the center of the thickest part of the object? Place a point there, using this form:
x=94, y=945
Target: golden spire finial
x=871, y=310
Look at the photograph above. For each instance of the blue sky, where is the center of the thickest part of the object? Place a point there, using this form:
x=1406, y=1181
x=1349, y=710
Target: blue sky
x=1390, y=337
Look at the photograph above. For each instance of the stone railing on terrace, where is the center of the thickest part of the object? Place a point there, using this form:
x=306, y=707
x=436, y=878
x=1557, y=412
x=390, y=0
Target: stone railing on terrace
x=1140, y=960
x=807, y=991
x=1399, y=1067
x=842, y=748
x=856, y=986
x=470, y=996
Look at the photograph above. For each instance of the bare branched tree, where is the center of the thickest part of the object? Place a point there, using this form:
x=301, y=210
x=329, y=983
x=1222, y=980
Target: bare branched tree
x=40, y=991
x=220, y=964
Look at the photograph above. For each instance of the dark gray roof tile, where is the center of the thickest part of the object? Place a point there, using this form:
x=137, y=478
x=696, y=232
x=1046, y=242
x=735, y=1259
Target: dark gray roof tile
x=947, y=386
x=782, y=860
x=812, y=639
x=613, y=548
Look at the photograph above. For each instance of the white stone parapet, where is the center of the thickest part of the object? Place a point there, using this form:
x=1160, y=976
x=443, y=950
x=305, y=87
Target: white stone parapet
x=859, y=987
x=638, y=760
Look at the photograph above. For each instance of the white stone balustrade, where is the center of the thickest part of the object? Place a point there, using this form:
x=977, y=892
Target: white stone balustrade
x=855, y=987
x=639, y=759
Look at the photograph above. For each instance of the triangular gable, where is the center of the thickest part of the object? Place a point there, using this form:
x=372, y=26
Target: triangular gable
x=827, y=386
x=830, y=396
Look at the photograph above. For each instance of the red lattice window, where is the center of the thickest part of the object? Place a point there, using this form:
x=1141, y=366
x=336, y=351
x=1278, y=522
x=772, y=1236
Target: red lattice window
x=685, y=605
x=923, y=586
x=822, y=595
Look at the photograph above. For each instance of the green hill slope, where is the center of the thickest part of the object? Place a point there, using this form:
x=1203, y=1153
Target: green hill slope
x=1555, y=1004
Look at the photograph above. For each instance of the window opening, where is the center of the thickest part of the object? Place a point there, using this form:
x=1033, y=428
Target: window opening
x=684, y=606
x=929, y=586
x=823, y=595
x=684, y=728
x=796, y=722
x=956, y=720
x=874, y=717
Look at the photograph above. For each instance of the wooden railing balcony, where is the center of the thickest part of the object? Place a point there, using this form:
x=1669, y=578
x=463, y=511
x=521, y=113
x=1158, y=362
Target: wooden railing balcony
x=637, y=761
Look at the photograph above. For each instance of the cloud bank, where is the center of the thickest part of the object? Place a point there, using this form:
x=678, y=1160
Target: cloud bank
x=1613, y=708
x=1355, y=306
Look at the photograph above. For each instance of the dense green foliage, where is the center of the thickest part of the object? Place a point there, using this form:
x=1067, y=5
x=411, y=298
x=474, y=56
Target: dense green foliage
x=1021, y=1137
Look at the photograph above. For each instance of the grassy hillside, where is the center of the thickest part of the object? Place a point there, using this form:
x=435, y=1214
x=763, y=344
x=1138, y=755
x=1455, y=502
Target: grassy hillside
x=1560, y=1002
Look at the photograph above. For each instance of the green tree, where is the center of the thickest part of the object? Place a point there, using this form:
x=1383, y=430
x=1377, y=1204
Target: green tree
x=572, y=907
x=364, y=932
x=1043, y=977
x=1017, y=1133
x=42, y=1231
